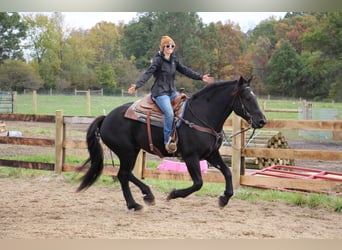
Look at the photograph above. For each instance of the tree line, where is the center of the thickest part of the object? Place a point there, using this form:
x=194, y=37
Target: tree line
x=298, y=55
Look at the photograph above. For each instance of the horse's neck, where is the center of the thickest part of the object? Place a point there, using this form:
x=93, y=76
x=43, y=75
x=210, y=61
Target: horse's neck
x=213, y=108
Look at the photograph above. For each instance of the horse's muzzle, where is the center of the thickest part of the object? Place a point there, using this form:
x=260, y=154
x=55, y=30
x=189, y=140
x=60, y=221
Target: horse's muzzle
x=259, y=123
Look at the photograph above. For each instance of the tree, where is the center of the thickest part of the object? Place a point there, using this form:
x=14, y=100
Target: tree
x=314, y=76
x=142, y=37
x=46, y=41
x=326, y=40
x=229, y=50
x=261, y=52
x=78, y=61
x=283, y=71
x=17, y=76
x=264, y=29
x=104, y=39
x=138, y=40
x=12, y=31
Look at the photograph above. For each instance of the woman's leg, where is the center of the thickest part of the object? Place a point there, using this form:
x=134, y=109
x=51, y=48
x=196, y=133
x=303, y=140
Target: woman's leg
x=164, y=103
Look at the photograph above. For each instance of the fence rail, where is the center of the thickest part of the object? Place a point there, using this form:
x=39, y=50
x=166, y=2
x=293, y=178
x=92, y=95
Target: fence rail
x=62, y=144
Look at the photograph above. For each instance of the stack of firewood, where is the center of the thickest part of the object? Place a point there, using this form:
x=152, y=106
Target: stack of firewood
x=276, y=141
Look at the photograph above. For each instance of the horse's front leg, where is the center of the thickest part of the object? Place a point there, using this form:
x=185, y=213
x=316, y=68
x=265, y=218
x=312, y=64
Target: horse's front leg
x=195, y=173
x=216, y=160
x=146, y=190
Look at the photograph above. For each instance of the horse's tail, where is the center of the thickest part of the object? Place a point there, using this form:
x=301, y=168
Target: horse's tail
x=95, y=155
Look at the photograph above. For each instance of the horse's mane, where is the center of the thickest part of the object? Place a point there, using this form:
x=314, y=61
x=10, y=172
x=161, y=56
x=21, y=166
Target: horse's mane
x=214, y=86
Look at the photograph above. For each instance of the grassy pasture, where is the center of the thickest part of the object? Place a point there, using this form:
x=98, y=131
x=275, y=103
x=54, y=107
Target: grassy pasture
x=71, y=105
x=77, y=105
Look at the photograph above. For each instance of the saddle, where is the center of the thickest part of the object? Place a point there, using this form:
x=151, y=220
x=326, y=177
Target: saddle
x=147, y=111
x=144, y=109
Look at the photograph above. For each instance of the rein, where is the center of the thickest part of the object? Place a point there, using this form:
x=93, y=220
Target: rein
x=242, y=131
x=206, y=129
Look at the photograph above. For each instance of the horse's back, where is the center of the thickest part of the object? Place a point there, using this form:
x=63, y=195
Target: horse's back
x=115, y=126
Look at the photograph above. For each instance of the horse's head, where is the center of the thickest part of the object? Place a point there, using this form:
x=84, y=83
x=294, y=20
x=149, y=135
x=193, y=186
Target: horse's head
x=245, y=104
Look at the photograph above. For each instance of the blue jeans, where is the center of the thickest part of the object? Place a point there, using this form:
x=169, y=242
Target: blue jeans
x=164, y=103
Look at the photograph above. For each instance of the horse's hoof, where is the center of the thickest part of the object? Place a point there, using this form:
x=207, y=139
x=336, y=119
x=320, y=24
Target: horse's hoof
x=172, y=195
x=136, y=207
x=149, y=200
x=223, y=201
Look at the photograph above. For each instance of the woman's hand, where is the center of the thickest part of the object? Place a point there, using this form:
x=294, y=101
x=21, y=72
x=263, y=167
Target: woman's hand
x=132, y=89
x=208, y=79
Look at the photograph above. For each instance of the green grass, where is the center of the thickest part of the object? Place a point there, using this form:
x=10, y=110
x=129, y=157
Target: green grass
x=69, y=159
x=253, y=195
x=71, y=105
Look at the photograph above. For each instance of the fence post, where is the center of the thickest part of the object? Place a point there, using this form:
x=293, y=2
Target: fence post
x=140, y=164
x=14, y=102
x=34, y=101
x=59, y=142
x=88, y=102
x=236, y=152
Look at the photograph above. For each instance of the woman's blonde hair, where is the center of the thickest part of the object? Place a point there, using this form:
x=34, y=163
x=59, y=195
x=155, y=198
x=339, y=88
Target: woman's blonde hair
x=164, y=41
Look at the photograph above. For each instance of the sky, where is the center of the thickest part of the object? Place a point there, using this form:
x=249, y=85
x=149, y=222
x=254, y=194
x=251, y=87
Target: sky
x=246, y=20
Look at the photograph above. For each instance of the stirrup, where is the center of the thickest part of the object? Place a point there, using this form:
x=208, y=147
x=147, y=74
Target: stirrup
x=171, y=146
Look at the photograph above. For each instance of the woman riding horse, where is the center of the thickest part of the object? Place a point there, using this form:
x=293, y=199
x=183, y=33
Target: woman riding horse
x=199, y=138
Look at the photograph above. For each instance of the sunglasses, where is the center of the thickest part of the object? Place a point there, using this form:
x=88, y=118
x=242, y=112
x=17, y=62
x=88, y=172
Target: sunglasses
x=170, y=46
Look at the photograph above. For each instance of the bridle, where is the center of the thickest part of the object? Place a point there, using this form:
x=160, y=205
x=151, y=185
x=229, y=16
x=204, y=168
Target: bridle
x=210, y=130
x=243, y=107
x=245, y=114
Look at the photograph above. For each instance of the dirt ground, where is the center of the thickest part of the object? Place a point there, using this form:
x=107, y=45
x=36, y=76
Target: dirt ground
x=47, y=207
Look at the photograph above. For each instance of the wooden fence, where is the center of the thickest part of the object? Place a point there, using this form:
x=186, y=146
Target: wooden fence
x=62, y=143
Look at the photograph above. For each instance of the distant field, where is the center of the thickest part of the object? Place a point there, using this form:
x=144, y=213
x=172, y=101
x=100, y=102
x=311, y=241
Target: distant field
x=77, y=105
x=71, y=105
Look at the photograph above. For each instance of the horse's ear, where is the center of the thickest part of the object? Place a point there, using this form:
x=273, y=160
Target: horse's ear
x=249, y=80
x=241, y=80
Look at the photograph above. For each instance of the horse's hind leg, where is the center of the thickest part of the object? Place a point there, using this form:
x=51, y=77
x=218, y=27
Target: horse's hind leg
x=195, y=173
x=148, y=195
x=216, y=160
x=124, y=176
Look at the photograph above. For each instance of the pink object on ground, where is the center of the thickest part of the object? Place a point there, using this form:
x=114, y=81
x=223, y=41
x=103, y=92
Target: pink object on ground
x=168, y=165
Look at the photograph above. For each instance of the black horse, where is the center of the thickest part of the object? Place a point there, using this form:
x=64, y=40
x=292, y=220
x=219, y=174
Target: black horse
x=200, y=136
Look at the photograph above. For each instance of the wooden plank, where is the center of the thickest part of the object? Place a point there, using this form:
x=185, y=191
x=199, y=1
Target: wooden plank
x=293, y=154
x=305, y=124
x=78, y=119
x=296, y=184
x=281, y=110
x=41, y=142
x=28, y=117
x=107, y=170
x=226, y=151
x=79, y=144
x=216, y=177
x=26, y=164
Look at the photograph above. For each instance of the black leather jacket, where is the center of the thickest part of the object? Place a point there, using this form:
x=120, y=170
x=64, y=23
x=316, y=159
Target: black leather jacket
x=164, y=72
